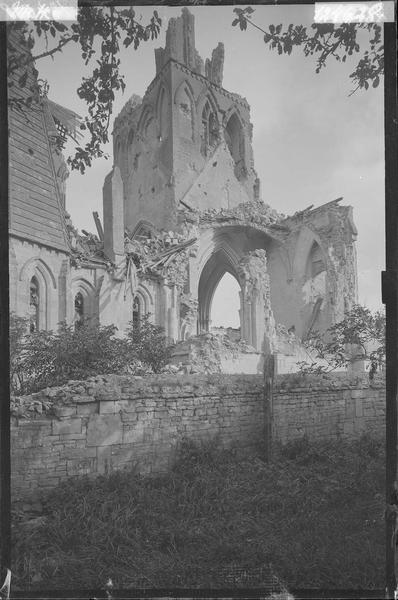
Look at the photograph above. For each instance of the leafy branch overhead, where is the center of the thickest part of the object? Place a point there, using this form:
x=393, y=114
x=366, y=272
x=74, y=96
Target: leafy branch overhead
x=324, y=41
x=99, y=32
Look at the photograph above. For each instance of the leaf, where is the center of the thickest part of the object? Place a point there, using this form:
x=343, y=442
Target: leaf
x=272, y=29
x=59, y=26
x=376, y=81
x=235, y=22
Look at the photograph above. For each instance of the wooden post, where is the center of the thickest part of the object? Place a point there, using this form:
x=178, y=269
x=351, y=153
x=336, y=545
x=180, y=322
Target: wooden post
x=269, y=371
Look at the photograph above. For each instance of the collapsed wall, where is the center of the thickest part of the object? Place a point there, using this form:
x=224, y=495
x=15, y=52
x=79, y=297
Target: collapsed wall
x=117, y=422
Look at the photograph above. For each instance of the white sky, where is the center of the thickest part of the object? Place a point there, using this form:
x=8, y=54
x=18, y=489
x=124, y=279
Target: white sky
x=312, y=143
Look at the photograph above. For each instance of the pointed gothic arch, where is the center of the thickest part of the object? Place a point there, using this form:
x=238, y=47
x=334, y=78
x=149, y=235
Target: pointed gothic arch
x=38, y=263
x=222, y=260
x=147, y=118
x=84, y=301
x=209, y=128
x=207, y=95
x=184, y=99
x=162, y=113
x=130, y=146
x=37, y=270
x=235, y=138
x=315, y=262
x=305, y=243
x=145, y=302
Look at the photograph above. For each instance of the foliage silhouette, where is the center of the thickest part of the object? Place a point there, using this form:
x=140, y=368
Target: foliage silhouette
x=325, y=41
x=98, y=31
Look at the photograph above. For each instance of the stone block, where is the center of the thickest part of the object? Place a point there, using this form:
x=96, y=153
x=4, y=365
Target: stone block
x=73, y=425
x=83, y=399
x=104, y=430
x=104, y=459
x=350, y=408
x=72, y=436
x=87, y=409
x=76, y=453
x=107, y=407
x=64, y=411
x=358, y=407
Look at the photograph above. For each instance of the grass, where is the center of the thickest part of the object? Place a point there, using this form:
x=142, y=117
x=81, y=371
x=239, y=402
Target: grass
x=315, y=512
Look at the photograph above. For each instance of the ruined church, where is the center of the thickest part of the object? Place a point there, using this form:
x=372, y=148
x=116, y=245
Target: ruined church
x=182, y=206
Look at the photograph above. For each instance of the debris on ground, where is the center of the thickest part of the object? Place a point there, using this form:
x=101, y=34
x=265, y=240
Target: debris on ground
x=204, y=353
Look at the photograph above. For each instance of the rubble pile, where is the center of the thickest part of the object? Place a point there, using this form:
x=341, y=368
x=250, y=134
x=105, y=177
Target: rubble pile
x=165, y=254
x=203, y=353
x=286, y=340
x=255, y=212
x=85, y=246
x=188, y=309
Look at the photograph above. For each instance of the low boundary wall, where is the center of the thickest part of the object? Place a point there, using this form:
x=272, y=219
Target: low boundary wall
x=113, y=422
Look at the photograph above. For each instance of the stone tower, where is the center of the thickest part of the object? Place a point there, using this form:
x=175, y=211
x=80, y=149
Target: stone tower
x=187, y=143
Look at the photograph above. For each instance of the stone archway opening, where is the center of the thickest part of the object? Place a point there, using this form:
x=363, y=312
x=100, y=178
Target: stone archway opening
x=226, y=307
x=219, y=288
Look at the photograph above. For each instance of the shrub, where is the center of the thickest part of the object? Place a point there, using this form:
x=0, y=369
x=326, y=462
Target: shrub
x=148, y=343
x=360, y=335
x=18, y=329
x=46, y=358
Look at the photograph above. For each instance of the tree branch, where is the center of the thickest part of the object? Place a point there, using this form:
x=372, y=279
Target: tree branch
x=58, y=48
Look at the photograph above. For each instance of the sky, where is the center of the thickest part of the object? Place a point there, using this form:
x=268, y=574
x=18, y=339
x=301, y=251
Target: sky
x=312, y=141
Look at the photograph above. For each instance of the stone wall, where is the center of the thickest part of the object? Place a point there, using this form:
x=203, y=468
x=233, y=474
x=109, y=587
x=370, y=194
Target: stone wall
x=327, y=407
x=114, y=422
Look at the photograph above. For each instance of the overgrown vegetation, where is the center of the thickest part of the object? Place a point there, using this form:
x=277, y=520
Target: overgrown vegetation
x=315, y=512
x=47, y=358
x=359, y=336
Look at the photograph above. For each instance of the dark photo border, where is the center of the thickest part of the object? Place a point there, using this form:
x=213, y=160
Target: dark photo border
x=389, y=298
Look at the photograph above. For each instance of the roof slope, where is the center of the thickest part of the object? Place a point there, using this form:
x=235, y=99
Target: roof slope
x=35, y=209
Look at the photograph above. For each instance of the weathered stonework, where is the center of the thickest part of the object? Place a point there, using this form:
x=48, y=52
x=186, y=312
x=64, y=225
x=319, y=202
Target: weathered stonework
x=118, y=422
x=181, y=207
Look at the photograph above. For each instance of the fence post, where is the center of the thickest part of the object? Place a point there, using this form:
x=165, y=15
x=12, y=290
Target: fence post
x=269, y=373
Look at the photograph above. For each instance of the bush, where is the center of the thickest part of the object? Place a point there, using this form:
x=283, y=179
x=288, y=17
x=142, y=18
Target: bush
x=46, y=358
x=148, y=344
x=360, y=335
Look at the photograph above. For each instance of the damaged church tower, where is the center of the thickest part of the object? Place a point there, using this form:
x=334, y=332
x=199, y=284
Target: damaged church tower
x=188, y=141
x=184, y=199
